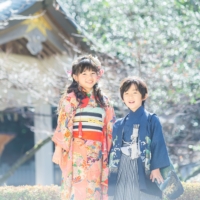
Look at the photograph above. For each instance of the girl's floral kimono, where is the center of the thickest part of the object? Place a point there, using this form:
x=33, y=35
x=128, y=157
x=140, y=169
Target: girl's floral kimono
x=84, y=163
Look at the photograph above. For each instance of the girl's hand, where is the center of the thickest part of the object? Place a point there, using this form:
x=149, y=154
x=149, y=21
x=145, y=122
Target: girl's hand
x=57, y=156
x=156, y=175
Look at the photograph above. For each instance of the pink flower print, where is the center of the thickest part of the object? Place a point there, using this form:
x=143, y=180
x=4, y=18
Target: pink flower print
x=89, y=142
x=79, y=161
x=68, y=108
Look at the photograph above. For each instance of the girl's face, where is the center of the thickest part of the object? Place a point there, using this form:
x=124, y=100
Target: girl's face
x=87, y=79
x=133, y=98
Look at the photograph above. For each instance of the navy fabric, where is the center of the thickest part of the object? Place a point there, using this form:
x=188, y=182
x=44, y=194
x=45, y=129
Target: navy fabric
x=132, y=118
x=153, y=130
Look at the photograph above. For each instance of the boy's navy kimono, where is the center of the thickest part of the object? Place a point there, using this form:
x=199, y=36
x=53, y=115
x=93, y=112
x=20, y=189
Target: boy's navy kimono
x=152, y=148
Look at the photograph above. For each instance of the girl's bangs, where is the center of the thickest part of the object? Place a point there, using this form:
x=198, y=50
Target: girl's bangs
x=85, y=65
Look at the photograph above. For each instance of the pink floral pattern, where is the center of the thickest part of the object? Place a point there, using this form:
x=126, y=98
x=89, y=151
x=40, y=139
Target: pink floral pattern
x=84, y=167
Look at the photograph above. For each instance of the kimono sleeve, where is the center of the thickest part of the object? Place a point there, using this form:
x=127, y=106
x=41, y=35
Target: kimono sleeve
x=62, y=135
x=159, y=153
x=115, y=147
x=108, y=127
x=109, y=122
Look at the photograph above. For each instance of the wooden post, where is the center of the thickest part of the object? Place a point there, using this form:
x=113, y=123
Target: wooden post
x=43, y=128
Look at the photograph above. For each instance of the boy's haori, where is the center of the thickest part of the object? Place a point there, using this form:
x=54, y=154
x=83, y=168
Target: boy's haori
x=137, y=147
x=84, y=133
x=159, y=155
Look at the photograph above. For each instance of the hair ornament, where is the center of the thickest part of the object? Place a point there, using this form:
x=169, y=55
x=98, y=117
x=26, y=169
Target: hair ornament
x=95, y=61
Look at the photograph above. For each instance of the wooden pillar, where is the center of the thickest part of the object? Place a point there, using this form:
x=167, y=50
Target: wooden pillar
x=43, y=128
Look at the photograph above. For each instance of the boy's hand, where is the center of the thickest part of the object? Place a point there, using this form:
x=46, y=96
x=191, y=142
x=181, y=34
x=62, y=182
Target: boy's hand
x=57, y=156
x=156, y=175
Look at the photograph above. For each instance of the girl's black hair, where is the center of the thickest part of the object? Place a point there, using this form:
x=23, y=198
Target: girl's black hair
x=139, y=83
x=81, y=64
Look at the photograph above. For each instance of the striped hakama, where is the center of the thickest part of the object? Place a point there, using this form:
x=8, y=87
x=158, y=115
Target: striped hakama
x=127, y=187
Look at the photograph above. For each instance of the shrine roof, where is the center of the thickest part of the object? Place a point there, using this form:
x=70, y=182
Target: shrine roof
x=39, y=28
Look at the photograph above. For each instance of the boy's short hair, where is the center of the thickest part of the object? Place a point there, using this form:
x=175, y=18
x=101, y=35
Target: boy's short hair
x=138, y=82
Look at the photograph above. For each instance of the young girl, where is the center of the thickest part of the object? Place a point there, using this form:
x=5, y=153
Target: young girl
x=83, y=134
x=138, y=148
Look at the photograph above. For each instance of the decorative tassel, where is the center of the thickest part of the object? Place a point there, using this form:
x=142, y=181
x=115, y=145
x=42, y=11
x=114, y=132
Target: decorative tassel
x=80, y=132
x=135, y=152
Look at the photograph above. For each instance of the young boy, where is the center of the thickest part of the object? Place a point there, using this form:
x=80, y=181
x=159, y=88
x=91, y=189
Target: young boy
x=139, y=149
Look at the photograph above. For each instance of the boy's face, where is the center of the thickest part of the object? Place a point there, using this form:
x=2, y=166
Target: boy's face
x=133, y=98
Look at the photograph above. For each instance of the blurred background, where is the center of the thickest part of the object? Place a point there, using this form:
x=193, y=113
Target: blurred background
x=157, y=40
